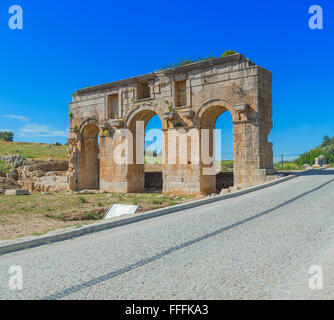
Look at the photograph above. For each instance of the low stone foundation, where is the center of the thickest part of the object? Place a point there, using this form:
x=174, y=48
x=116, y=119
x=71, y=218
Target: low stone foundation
x=153, y=178
x=50, y=176
x=52, y=183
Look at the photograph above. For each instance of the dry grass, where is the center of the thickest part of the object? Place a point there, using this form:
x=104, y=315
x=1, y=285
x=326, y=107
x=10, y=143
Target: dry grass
x=38, y=214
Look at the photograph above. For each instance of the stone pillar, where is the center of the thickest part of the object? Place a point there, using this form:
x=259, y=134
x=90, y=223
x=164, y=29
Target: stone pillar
x=115, y=170
x=252, y=152
x=181, y=167
x=74, y=165
x=208, y=169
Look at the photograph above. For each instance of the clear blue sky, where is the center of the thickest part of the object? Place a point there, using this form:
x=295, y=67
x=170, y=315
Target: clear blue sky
x=67, y=45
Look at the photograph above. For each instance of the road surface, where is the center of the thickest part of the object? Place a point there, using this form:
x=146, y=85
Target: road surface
x=256, y=246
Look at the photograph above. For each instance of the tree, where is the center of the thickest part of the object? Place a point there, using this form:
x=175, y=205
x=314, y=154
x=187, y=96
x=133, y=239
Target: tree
x=325, y=141
x=154, y=153
x=7, y=136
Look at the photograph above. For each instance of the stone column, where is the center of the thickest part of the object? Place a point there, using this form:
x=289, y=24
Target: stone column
x=181, y=167
x=114, y=170
x=74, y=165
x=252, y=153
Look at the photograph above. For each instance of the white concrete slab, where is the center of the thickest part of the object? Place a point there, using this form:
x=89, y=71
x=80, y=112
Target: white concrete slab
x=117, y=210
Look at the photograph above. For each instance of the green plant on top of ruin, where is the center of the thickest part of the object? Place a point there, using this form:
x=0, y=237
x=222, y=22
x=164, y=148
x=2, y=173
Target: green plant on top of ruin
x=185, y=61
x=228, y=53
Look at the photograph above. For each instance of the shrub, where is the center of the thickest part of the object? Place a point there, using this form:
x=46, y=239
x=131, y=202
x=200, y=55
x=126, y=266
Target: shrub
x=309, y=157
x=82, y=200
x=5, y=168
x=7, y=136
x=228, y=53
x=185, y=61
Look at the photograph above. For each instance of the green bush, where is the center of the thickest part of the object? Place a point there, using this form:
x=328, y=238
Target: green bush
x=83, y=200
x=288, y=165
x=228, y=53
x=7, y=136
x=227, y=165
x=185, y=61
x=309, y=157
x=5, y=168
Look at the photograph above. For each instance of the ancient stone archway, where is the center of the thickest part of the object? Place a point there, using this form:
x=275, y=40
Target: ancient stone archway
x=136, y=123
x=188, y=100
x=206, y=118
x=89, y=160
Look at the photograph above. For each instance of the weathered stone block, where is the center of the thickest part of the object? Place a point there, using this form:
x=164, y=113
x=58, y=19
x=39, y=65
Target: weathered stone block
x=16, y=192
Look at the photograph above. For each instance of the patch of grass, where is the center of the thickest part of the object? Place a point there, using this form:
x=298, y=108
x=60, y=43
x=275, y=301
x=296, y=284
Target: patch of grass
x=38, y=151
x=94, y=215
x=83, y=200
x=152, y=160
x=288, y=165
x=58, y=210
x=227, y=165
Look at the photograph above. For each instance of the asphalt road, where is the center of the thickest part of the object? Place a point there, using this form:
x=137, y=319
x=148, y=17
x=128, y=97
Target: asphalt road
x=256, y=246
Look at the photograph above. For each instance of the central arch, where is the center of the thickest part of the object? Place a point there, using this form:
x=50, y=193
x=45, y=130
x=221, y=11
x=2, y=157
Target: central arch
x=207, y=117
x=137, y=123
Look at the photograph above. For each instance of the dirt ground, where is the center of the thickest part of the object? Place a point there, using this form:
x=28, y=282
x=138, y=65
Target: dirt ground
x=37, y=214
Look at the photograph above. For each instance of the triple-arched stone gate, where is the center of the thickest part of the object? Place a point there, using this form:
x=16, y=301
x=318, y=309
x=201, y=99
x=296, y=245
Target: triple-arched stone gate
x=107, y=124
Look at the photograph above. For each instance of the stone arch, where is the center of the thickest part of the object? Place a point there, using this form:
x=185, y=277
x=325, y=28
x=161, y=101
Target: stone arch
x=89, y=155
x=206, y=117
x=144, y=113
x=87, y=122
x=209, y=112
x=136, y=171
